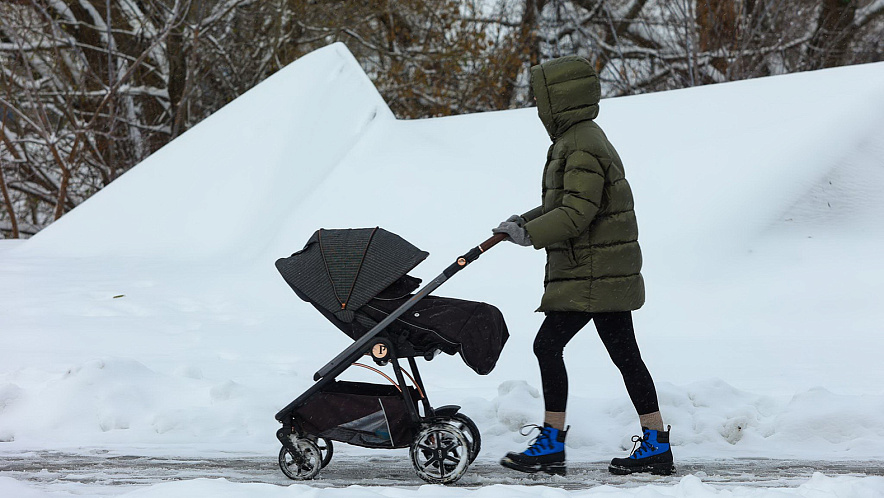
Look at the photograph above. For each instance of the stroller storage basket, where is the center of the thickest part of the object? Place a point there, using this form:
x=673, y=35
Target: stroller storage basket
x=362, y=414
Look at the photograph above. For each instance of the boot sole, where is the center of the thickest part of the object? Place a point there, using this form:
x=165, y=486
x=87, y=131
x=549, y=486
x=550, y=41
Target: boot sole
x=660, y=469
x=558, y=469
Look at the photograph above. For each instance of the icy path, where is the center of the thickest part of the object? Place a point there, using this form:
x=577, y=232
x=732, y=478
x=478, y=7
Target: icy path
x=113, y=475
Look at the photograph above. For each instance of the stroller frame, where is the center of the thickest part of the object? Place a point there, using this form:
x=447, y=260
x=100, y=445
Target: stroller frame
x=446, y=441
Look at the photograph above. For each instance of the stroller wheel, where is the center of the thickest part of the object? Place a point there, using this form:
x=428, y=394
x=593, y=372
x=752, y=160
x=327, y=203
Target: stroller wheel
x=303, y=465
x=440, y=453
x=470, y=431
x=326, y=450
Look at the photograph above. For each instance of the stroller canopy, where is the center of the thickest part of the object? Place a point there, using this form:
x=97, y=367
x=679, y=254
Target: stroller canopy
x=341, y=270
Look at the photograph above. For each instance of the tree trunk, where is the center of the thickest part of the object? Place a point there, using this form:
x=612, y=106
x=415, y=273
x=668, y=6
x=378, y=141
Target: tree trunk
x=835, y=30
x=527, y=45
x=7, y=203
x=528, y=30
x=717, y=27
x=62, y=193
x=177, y=78
x=7, y=200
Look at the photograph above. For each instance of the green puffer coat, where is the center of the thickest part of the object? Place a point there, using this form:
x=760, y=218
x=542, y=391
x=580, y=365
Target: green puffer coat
x=586, y=223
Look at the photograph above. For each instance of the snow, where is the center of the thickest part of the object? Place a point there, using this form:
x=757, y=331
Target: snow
x=687, y=487
x=151, y=320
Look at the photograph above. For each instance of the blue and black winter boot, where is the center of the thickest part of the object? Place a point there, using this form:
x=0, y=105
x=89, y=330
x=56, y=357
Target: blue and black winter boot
x=545, y=454
x=652, y=454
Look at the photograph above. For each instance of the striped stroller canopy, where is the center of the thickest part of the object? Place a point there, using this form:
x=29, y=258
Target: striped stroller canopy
x=341, y=270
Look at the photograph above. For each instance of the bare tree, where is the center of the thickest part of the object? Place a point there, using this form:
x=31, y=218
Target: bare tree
x=89, y=88
x=839, y=24
x=426, y=58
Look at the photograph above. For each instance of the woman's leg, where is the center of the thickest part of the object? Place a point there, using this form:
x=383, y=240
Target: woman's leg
x=547, y=452
x=618, y=335
x=557, y=329
x=654, y=455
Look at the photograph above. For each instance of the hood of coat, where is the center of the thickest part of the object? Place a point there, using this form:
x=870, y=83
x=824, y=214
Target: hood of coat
x=567, y=90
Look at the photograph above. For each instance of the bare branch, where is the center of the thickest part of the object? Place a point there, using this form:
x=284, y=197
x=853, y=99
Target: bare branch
x=869, y=13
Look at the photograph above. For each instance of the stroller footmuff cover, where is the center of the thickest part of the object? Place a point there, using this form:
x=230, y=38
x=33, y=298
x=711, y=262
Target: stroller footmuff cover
x=358, y=279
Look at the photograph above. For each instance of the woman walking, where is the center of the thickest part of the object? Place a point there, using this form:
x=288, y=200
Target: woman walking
x=587, y=226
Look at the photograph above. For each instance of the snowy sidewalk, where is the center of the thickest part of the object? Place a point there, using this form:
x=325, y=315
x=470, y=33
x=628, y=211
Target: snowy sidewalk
x=392, y=476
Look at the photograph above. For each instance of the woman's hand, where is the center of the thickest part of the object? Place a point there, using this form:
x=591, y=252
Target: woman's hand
x=513, y=227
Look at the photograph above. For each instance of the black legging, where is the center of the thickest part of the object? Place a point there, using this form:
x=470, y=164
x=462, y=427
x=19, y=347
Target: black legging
x=618, y=335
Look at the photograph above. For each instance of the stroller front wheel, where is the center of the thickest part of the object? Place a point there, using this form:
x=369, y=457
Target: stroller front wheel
x=440, y=453
x=303, y=464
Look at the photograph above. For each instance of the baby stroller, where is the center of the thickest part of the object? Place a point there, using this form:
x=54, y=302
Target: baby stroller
x=358, y=279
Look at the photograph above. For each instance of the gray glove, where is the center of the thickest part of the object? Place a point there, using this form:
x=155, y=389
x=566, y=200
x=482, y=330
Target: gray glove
x=518, y=220
x=515, y=231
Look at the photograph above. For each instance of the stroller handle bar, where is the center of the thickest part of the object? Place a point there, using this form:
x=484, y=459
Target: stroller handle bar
x=352, y=353
x=492, y=241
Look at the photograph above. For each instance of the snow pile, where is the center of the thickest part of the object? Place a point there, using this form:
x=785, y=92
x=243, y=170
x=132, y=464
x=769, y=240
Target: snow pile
x=147, y=326
x=113, y=401
x=710, y=418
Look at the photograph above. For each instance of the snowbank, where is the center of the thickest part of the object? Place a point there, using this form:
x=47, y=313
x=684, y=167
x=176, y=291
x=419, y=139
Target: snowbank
x=120, y=404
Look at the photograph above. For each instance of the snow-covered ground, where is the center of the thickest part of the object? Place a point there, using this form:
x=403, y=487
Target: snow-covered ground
x=151, y=320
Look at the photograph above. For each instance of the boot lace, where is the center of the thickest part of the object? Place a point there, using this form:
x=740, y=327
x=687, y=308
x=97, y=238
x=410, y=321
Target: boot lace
x=640, y=445
x=541, y=441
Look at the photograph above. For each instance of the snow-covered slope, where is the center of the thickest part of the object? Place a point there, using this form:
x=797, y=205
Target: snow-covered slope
x=226, y=184
x=151, y=317
x=712, y=166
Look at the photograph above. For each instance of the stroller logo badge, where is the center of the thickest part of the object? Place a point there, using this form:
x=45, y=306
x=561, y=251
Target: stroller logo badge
x=379, y=351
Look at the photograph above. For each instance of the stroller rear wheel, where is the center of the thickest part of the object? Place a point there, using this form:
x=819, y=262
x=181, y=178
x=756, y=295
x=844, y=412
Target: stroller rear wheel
x=440, y=453
x=303, y=464
x=470, y=431
x=326, y=450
